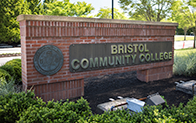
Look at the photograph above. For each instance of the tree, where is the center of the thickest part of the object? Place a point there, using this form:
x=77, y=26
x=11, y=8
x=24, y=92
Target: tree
x=9, y=26
x=36, y=7
x=106, y=13
x=65, y=8
x=178, y=16
x=46, y=2
x=148, y=10
x=183, y=23
x=192, y=17
x=82, y=9
x=184, y=11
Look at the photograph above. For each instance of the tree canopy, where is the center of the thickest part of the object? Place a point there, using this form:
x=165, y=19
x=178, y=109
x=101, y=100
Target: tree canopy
x=65, y=8
x=9, y=27
x=10, y=9
x=36, y=7
x=184, y=12
x=106, y=13
x=148, y=10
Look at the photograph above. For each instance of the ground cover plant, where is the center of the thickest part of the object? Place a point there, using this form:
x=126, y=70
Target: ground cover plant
x=8, y=87
x=184, y=62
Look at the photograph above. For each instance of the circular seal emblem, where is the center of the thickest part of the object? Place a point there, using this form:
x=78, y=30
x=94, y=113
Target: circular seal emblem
x=48, y=60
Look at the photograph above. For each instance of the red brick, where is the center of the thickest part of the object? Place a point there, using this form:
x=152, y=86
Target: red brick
x=68, y=35
x=83, y=37
x=41, y=41
x=87, y=40
x=36, y=45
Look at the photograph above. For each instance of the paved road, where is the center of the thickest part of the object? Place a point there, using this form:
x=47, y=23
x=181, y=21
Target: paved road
x=10, y=50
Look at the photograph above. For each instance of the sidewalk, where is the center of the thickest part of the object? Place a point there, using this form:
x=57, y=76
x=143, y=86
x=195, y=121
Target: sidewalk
x=3, y=60
x=10, y=50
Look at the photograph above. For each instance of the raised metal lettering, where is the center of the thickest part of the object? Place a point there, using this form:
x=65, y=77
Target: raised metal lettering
x=75, y=64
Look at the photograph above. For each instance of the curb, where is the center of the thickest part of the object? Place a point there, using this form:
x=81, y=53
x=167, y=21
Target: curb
x=10, y=55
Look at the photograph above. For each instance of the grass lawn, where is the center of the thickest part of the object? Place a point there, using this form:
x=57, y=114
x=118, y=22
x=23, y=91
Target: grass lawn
x=181, y=38
x=183, y=52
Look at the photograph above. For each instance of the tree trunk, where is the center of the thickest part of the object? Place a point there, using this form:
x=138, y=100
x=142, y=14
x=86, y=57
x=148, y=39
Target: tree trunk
x=194, y=38
x=194, y=33
x=185, y=34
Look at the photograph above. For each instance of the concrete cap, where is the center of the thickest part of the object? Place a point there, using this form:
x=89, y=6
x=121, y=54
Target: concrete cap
x=93, y=20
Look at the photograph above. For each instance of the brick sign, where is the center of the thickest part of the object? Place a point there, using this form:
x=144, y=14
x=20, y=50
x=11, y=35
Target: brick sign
x=90, y=47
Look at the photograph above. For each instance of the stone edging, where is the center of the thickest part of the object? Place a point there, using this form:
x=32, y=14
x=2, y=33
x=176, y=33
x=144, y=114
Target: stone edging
x=93, y=20
x=10, y=55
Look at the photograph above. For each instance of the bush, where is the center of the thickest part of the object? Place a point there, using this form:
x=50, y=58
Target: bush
x=16, y=64
x=191, y=106
x=185, y=64
x=57, y=112
x=150, y=114
x=22, y=107
x=9, y=69
x=13, y=104
x=5, y=75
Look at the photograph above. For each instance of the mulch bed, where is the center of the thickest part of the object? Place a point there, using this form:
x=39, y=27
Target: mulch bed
x=99, y=89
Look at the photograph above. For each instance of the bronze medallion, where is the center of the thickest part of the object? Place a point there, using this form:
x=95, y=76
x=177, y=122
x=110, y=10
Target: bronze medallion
x=48, y=60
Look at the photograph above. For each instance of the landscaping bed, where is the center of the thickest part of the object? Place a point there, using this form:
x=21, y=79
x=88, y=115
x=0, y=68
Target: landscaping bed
x=23, y=106
x=99, y=89
x=10, y=54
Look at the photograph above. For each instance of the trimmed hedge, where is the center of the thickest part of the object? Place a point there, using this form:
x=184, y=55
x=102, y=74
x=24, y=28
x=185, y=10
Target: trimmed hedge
x=22, y=107
x=152, y=114
x=57, y=112
x=16, y=70
x=13, y=104
x=5, y=75
x=9, y=69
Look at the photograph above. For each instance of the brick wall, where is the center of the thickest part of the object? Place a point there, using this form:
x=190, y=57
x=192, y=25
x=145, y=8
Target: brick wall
x=37, y=31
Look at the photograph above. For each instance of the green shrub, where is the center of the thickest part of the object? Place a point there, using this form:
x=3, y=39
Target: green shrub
x=5, y=75
x=57, y=112
x=150, y=114
x=191, y=106
x=22, y=107
x=9, y=69
x=185, y=64
x=16, y=64
x=13, y=104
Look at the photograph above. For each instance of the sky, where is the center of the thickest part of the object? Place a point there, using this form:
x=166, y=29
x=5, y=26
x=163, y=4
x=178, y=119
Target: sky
x=97, y=4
